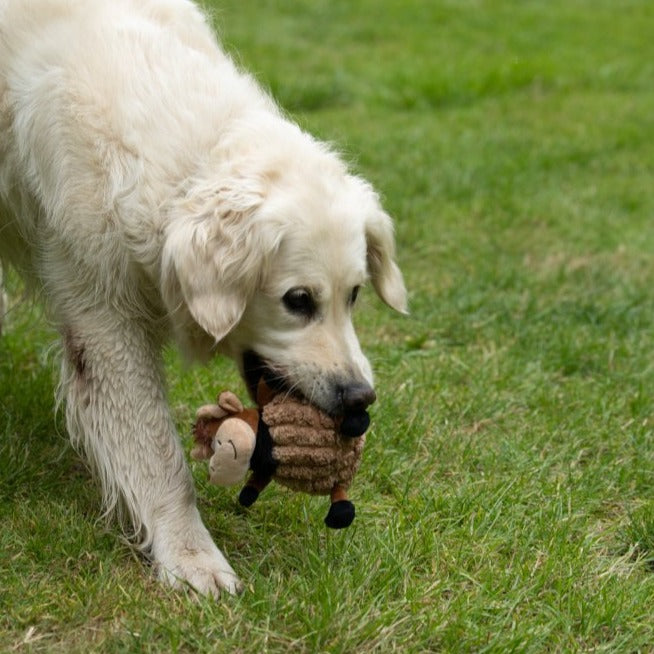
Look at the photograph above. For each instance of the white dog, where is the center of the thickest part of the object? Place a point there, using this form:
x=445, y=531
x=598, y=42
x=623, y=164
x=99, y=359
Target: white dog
x=150, y=189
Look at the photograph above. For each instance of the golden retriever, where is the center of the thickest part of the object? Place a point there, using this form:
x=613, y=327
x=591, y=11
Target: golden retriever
x=152, y=190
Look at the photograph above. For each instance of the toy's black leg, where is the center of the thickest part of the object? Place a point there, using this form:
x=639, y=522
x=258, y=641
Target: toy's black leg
x=341, y=512
x=250, y=492
x=355, y=424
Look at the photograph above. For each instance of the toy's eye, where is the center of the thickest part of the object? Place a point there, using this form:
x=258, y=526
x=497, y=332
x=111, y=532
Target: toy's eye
x=354, y=294
x=300, y=302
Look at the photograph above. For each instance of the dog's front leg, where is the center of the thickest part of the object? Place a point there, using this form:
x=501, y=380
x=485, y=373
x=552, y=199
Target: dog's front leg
x=116, y=410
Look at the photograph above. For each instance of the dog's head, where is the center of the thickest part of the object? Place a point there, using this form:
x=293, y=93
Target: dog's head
x=269, y=265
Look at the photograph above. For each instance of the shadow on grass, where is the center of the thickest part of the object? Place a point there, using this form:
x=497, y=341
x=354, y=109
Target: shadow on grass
x=36, y=459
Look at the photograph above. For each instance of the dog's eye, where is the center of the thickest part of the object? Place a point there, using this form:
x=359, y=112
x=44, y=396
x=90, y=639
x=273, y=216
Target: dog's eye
x=300, y=302
x=354, y=294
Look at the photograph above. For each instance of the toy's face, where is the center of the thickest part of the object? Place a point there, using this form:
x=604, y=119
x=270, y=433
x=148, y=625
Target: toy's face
x=297, y=328
x=232, y=445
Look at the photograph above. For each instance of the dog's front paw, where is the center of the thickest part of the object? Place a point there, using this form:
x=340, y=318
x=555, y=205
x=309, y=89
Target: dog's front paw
x=193, y=561
x=207, y=573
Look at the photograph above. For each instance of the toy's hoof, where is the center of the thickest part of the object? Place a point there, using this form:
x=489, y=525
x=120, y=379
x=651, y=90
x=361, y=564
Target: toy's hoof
x=340, y=514
x=248, y=496
x=355, y=424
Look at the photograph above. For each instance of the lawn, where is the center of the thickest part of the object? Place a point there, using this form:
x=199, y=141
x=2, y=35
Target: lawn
x=506, y=497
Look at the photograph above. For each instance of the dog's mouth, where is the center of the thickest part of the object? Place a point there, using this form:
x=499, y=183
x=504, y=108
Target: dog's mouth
x=256, y=367
x=352, y=422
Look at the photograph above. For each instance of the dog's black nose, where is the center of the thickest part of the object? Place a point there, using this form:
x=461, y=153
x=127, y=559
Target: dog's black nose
x=356, y=397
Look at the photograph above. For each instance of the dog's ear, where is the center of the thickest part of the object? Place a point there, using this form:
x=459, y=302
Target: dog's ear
x=384, y=273
x=214, y=254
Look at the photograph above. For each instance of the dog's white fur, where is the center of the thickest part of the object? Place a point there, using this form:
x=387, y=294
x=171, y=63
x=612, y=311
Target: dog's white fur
x=151, y=189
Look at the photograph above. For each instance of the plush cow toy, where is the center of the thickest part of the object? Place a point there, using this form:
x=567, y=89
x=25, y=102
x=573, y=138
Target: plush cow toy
x=286, y=439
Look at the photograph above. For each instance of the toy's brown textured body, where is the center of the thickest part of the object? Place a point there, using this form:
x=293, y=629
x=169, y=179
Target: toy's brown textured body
x=297, y=445
x=312, y=457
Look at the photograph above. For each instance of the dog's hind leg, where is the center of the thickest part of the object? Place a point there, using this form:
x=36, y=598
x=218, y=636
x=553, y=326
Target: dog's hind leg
x=117, y=412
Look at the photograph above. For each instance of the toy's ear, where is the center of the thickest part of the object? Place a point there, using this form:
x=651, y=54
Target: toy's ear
x=384, y=273
x=214, y=255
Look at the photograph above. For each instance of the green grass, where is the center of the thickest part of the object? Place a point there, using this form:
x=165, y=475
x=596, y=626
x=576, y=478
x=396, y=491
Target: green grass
x=506, y=497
